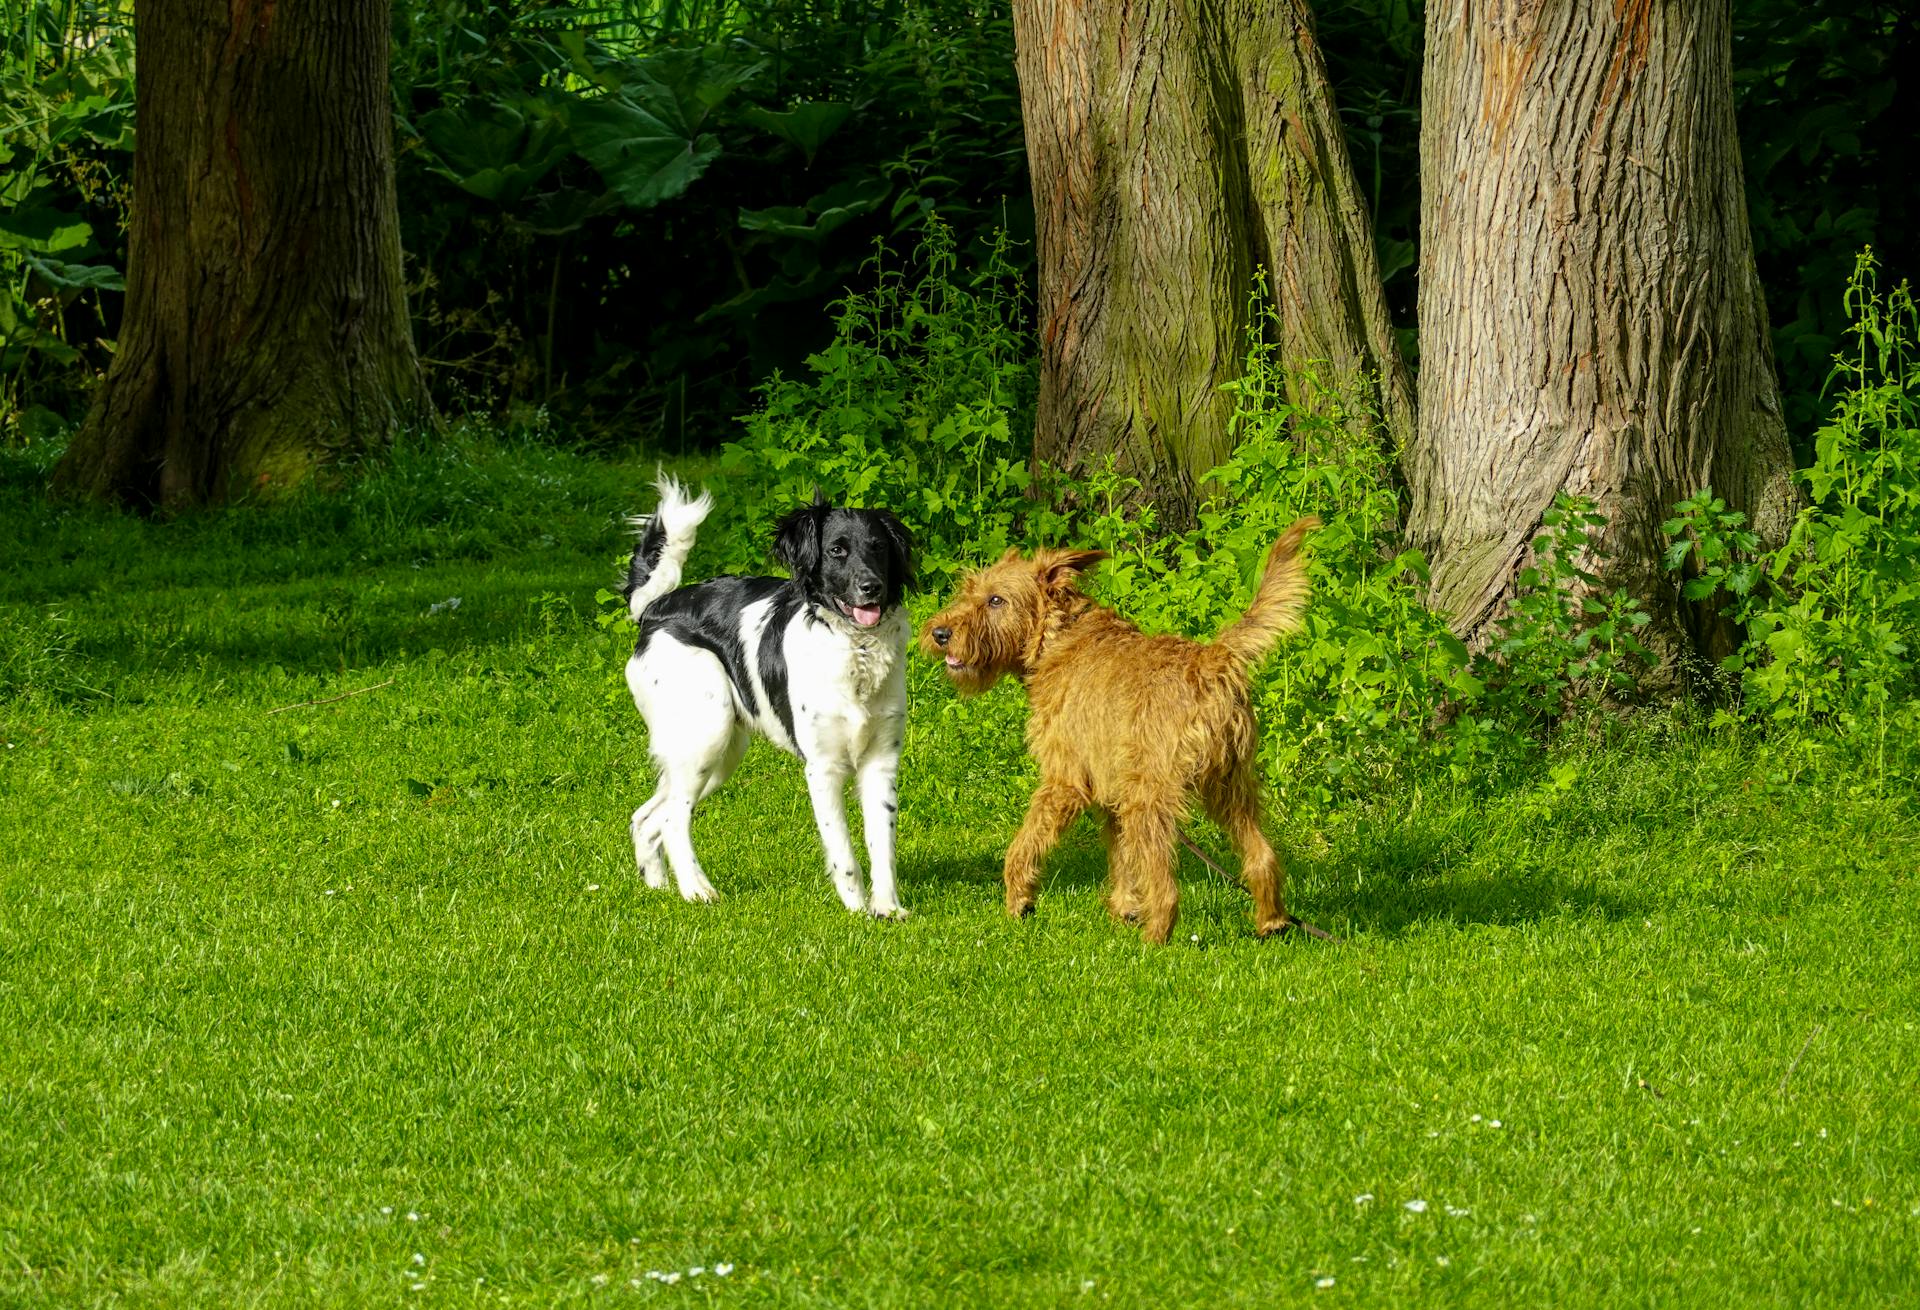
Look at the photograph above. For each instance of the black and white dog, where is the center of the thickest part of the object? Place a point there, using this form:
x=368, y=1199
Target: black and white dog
x=816, y=663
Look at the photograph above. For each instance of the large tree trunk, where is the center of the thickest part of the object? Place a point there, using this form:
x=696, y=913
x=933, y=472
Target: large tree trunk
x=1590, y=317
x=1176, y=146
x=266, y=327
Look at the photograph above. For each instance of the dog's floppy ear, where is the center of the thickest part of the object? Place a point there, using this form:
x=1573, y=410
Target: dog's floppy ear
x=1061, y=569
x=796, y=539
x=900, y=546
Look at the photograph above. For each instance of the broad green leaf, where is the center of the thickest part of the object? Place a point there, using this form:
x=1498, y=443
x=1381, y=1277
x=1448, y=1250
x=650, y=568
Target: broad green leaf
x=642, y=158
x=100, y=277
x=43, y=230
x=806, y=126
x=496, y=151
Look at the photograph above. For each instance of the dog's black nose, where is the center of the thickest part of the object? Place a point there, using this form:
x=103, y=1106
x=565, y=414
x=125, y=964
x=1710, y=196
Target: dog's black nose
x=940, y=636
x=870, y=589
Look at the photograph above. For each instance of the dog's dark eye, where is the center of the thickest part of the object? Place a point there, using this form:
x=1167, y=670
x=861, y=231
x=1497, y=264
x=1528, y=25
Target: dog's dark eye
x=996, y=601
x=837, y=551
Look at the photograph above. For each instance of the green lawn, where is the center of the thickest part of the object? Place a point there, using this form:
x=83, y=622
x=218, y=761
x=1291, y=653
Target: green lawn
x=364, y=1003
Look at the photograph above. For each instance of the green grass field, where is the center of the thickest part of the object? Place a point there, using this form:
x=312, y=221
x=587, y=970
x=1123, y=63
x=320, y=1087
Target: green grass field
x=363, y=1003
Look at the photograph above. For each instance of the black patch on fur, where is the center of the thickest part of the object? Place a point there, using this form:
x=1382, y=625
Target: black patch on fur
x=646, y=556
x=773, y=658
x=707, y=616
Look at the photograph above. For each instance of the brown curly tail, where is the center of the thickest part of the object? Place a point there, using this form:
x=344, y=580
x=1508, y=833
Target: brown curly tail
x=1277, y=604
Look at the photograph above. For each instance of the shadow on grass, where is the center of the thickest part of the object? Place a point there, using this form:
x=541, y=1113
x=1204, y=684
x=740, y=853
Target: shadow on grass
x=1386, y=882
x=1391, y=879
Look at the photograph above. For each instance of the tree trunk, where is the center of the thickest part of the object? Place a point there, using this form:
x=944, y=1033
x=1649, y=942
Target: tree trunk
x=1590, y=317
x=1175, y=147
x=266, y=327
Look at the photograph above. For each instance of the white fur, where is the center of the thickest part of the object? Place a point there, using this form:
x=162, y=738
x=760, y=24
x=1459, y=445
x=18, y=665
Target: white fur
x=847, y=686
x=682, y=516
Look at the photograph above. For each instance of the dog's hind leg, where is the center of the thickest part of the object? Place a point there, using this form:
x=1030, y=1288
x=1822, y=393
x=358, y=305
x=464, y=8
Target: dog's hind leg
x=1123, y=898
x=826, y=787
x=1143, y=860
x=1235, y=806
x=1051, y=810
x=685, y=697
x=646, y=839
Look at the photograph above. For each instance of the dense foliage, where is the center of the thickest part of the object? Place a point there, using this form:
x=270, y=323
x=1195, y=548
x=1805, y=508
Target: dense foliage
x=917, y=402
x=622, y=216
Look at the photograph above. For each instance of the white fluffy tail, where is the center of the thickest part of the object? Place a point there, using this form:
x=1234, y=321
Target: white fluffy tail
x=666, y=536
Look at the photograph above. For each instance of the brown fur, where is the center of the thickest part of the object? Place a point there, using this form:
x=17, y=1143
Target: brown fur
x=1132, y=724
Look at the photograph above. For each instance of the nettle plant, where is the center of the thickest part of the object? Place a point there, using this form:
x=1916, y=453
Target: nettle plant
x=922, y=400
x=1831, y=616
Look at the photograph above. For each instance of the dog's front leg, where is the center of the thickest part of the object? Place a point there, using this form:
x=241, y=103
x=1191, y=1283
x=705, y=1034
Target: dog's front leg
x=1053, y=807
x=826, y=785
x=879, y=809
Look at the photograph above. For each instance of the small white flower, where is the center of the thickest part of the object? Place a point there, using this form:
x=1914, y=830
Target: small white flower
x=1086, y=1284
x=1323, y=1282
x=1527, y=1219
x=723, y=1270
x=1363, y=1198
x=1433, y=1134
x=1442, y=1261
x=330, y=891
x=1493, y=1123
x=593, y=886
x=671, y=1278
x=418, y=1287
x=413, y=1216
x=633, y=1282
x=1196, y=937
x=1474, y=1120
x=1417, y=1206
x=1696, y=1230
x=1823, y=1132
x=1457, y=1212
x=419, y=1259
x=598, y=1280
x=386, y=1209
x=696, y=1271
x=336, y=805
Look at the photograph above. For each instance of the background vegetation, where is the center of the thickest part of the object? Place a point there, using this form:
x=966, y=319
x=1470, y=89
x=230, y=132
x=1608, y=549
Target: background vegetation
x=313, y=1000
x=620, y=217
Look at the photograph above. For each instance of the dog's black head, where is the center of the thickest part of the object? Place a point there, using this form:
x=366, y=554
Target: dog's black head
x=856, y=562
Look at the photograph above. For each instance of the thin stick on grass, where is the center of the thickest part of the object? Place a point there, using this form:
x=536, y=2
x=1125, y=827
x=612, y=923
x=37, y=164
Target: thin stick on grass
x=1817, y=1029
x=328, y=700
x=1207, y=860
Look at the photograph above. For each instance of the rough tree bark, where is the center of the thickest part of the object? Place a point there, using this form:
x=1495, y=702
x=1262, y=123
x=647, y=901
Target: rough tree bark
x=1175, y=147
x=1590, y=317
x=266, y=329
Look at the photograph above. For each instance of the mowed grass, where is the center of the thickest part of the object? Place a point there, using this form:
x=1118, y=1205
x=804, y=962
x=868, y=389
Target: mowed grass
x=363, y=1003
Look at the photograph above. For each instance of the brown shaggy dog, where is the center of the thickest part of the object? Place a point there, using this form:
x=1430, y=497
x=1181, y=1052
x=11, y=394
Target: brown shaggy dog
x=1132, y=724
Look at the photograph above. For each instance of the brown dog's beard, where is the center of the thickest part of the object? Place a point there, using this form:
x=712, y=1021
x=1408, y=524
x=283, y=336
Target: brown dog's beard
x=972, y=668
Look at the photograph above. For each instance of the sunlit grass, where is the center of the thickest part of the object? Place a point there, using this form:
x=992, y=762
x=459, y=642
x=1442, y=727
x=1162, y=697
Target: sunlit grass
x=363, y=1002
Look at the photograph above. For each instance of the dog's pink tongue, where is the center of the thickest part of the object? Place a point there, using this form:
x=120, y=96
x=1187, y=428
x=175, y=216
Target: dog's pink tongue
x=865, y=615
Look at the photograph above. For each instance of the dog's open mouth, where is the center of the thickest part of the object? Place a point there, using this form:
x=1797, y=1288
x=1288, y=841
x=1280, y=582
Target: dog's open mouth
x=955, y=666
x=865, y=615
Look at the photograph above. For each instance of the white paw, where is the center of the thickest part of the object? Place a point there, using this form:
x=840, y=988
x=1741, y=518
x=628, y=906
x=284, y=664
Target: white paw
x=894, y=912
x=656, y=876
x=701, y=893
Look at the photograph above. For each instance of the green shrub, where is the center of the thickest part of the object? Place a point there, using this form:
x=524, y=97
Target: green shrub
x=919, y=403
x=1832, y=616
